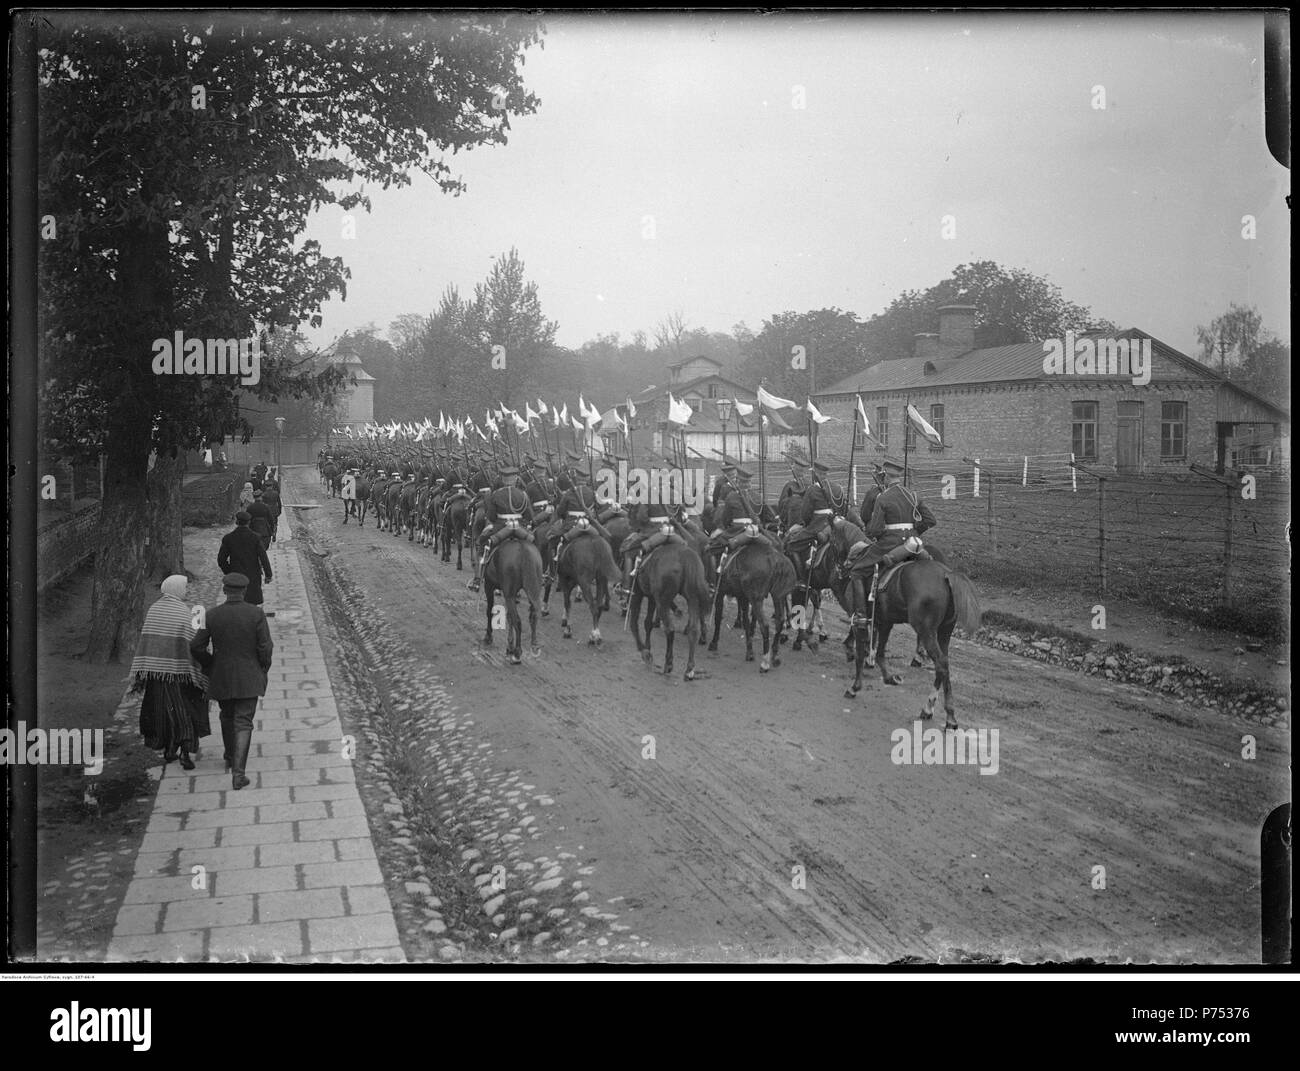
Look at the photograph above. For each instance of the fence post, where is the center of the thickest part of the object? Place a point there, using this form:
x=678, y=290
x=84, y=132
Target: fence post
x=1228, y=491
x=1101, y=532
x=977, y=478
x=1024, y=476
x=1074, y=476
x=993, y=518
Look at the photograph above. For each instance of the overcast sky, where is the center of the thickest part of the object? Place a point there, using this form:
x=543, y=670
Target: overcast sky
x=758, y=206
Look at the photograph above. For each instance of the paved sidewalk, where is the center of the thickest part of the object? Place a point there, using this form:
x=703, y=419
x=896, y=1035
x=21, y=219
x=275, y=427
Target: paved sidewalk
x=285, y=868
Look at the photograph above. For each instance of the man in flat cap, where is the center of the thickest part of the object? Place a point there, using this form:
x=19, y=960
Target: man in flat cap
x=236, y=667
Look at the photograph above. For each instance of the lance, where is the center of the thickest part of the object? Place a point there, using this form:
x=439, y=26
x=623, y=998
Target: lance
x=853, y=446
x=907, y=432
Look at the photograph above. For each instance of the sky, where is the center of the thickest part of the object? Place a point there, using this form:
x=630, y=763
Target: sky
x=732, y=167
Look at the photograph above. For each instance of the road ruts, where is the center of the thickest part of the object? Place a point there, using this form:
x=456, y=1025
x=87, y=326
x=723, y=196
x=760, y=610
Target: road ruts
x=755, y=776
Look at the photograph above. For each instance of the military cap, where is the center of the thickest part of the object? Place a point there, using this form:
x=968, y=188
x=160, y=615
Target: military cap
x=575, y=458
x=894, y=468
x=743, y=474
x=799, y=463
x=507, y=470
x=234, y=581
x=819, y=468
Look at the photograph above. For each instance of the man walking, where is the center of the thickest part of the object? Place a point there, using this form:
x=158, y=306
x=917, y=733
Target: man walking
x=242, y=552
x=261, y=523
x=236, y=668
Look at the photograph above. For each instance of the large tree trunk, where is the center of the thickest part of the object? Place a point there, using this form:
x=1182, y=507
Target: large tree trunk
x=121, y=568
x=167, y=550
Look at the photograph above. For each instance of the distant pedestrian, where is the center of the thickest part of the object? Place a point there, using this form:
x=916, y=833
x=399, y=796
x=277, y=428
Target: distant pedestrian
x=237, y=668
x=174, y=710
x=260, y=520
x=271, y=496
x=246, y=496
x=242, y=552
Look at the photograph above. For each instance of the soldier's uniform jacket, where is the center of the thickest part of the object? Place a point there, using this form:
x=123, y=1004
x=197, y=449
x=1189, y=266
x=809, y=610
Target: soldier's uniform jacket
x=575, y=501
x=869, y=504
x=738, y=504
x=721, y=490
x=792, y=487
x=815, y=499
x=897, y=514
x=507, y=501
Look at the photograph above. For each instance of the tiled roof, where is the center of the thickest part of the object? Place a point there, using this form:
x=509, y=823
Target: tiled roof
x=996, y=364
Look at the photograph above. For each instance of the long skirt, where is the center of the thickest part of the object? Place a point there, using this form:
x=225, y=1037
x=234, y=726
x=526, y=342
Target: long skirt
x=173, y=716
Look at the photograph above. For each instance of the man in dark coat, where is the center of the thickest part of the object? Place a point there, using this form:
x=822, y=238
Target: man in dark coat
x=271, y=496
x=242, y=552
x=236, y=668
x=261, y=521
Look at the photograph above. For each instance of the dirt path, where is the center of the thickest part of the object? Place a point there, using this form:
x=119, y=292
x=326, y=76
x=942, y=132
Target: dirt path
x=755, y=776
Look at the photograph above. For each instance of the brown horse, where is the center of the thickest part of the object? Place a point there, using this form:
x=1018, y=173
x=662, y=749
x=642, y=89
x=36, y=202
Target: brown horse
x=927, y=595
x=455, y=520
x=669, y=577
x=515, y=567
x=356, y=507
x=754, y=573
x=588, y=564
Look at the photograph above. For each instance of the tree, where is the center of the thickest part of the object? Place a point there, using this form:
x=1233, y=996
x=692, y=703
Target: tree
x=1246, y=353
x=179, y=165
x=669, y=332
x=790, y=345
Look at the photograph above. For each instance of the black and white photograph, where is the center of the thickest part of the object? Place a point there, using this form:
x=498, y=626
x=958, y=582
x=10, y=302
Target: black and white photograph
x=688, y=490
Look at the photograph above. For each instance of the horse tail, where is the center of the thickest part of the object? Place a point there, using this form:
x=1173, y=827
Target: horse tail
x=966, y=602
x=695, y=585
x=784, y=578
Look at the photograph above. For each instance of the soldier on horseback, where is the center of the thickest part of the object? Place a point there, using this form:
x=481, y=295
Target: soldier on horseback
x=508, y=512
x=795, y=488
x=724, y=486
x=820, y=503
x=897, y=522
x=873, y=492
x=576, y=512
x=737, y=524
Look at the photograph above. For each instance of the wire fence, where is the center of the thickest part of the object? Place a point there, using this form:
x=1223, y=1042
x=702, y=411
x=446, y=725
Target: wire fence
x=1211, y=547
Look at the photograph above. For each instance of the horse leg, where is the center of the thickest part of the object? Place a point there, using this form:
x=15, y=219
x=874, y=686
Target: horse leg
x=692, y=641
x=566, y=589
x=634, y=615
x=515, y=631
x=591, y=593
x=779, y=616
x=460, y=548
x=800, y=603
x=665, y=618
x=882, y=638
x=652, y=613
x=941, y=668
x=487, y=636
x=858, y=636
x=816, y=622
x=759, y=612
x=918, y=658
x=925, y=634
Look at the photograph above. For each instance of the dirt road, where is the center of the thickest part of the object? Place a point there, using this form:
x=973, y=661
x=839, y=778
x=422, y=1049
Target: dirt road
x=766, y=820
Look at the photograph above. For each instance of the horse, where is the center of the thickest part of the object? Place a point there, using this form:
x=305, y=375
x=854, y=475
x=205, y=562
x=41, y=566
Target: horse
x=752, y=574
x=409, y=496
x=330, y=476
x=809, y=584
x=588, y=563
x=393, y=506
x=455, y=520
x=926, y=594
x=515, y=566
x=356, y=507
x=670, y=572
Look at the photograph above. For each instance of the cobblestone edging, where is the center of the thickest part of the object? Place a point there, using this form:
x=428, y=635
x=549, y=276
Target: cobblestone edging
x=463, y=837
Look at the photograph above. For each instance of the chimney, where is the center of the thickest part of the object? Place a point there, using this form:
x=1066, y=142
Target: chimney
x=956, y=329
x=926, y=345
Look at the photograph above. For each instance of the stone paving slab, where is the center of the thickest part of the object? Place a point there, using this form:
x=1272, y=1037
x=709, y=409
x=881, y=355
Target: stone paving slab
x=284, y=869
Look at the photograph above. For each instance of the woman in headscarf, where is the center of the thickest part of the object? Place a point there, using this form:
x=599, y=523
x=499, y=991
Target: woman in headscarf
x=174, y=713
x=246, y=496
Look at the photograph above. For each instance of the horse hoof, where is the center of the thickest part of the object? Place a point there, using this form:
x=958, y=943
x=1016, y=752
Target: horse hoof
x=916, y=662
x=950, y=725
x=764, y=666
x=546, y=611
x=591, y=642
x=926, y=715
x=812, y=647
x=713, y=648
x=849, y=693
x=775, y=662
x=568, y=633
x=822, y=637
x=647, y=658
x=515, y=660
x=536, y=652
x=893, y=678
x=689, y=675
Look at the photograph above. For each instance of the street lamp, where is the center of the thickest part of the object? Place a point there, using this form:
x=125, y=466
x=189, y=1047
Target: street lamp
x=724, y=414
x=279, y=431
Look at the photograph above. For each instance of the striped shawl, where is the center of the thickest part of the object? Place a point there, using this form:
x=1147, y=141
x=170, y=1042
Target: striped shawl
x=163, y=653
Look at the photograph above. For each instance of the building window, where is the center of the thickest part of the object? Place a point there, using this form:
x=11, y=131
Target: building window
x=1083, y=430
x=713, y=390
x=1173, y=429
x=882, y=425
x=936, y=420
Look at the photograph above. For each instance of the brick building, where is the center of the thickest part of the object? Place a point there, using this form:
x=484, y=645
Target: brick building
x=1001, y=402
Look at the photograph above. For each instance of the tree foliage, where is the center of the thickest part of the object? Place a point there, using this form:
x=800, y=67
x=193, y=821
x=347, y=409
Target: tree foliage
x=180, y=159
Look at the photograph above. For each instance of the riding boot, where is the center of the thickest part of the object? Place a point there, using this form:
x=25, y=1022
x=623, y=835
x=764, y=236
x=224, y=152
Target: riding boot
x=228, y=740
x=243, y=741
x=870, y=662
